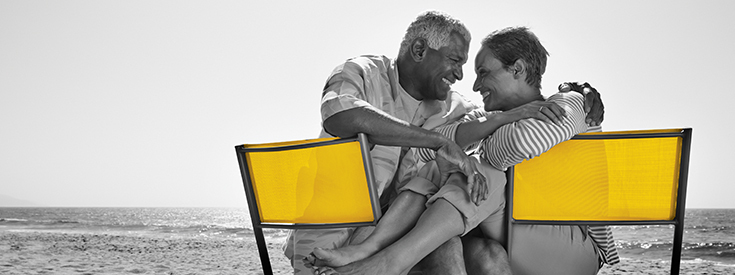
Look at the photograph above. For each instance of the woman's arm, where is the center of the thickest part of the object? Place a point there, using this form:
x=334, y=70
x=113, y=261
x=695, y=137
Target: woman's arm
x=478, y=124
x=473, y=131
x=525, y=139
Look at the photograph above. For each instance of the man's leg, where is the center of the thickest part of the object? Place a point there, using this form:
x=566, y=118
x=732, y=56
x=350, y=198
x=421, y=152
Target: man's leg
x=400, y=218
x=447, y=259
x=484, y=256
x=484, y=247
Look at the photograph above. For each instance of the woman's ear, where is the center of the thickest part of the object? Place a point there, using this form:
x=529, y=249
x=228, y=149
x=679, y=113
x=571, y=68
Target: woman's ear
x=519, y=69
x=418, y=49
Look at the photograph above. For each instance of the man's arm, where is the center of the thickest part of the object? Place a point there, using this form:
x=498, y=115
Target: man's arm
x=592, y=101
x=347, y=110
x=528, y=138
x=350, y=106
x=450, y=130
x=478, y=124
x=384, y=129
x=476, y=130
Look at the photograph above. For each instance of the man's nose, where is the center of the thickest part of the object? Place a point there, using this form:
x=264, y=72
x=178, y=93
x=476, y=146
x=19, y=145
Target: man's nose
x=458, y=73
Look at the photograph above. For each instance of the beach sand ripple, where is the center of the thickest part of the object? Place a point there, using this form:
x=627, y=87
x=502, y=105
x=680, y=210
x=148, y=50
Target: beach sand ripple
x=59, y=253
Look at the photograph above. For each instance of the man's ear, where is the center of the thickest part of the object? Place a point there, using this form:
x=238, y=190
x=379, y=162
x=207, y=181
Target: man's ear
x=418, y=49
x=518, y=68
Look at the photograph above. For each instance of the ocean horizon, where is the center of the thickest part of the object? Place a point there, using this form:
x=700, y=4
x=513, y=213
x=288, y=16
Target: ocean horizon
x=709, y=232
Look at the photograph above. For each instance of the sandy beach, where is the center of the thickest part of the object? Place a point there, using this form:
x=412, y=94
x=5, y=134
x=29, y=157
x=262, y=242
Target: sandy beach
x=58, y=253
x=641, y=266
x=62, y=253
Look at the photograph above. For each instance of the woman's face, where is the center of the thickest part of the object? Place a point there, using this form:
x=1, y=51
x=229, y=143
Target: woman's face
x=500, y=87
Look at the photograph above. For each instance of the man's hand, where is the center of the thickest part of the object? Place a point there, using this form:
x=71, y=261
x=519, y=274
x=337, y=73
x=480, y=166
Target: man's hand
x=450, y=159
x=592, y=101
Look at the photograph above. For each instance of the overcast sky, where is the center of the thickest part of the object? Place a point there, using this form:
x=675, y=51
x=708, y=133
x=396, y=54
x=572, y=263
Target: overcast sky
x=140, y=103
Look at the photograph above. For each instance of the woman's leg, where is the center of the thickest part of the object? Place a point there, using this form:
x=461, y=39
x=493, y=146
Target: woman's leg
x=399, y=219
x=440, y=222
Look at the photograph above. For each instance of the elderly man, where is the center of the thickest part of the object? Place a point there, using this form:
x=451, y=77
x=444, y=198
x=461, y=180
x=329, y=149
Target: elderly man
x=391, y=100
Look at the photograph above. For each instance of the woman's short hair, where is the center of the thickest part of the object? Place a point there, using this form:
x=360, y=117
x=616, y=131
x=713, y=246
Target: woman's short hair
x=513, y=43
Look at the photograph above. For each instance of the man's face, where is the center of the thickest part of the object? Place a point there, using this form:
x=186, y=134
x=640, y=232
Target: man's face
x=443, y=67
x=498, y=87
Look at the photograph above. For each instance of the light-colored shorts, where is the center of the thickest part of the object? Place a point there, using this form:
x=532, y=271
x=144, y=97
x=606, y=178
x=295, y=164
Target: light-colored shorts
x=490, y=211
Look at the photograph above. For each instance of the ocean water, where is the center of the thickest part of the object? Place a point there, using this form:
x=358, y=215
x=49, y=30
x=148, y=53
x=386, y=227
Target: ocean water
x=225, y=223
x=709, y=233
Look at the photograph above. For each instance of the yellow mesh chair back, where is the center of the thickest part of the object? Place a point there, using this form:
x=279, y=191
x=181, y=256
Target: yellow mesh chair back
x=318, y=183
x=605, y=178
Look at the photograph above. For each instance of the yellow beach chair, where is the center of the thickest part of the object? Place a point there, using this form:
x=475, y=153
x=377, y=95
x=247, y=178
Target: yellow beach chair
x=605, y=178
x=318, y=183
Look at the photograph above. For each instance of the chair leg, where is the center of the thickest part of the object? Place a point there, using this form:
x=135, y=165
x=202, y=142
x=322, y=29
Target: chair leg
x=676, y=251
x=263, y=250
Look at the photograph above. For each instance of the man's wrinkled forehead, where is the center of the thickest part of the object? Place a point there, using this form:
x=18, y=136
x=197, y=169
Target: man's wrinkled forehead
x=457, y=46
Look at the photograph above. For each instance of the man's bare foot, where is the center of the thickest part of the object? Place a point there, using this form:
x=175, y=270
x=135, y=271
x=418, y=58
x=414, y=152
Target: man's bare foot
x=341, y=256
x=311, y=261
x=378, y=264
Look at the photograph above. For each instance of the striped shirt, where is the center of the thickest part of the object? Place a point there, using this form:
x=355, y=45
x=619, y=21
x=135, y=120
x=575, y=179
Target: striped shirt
x=528, y=138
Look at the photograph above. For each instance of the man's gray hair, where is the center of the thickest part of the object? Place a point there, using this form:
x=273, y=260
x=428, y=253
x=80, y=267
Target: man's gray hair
x=435, y=27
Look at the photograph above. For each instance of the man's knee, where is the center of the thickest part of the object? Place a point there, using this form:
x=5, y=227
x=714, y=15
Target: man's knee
x=485, y=256
x=483, y=247
x=452, y=245
x=446, y=259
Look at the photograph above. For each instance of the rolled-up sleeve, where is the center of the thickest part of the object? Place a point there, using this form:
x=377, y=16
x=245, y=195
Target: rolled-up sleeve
x=344, y=90
x=527, y=138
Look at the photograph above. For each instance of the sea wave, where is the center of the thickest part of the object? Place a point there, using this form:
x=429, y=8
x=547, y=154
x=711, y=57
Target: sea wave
x=208, y=230
x=40, y=222
x=718, y=251
x=667, y=244
x=11, y=220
